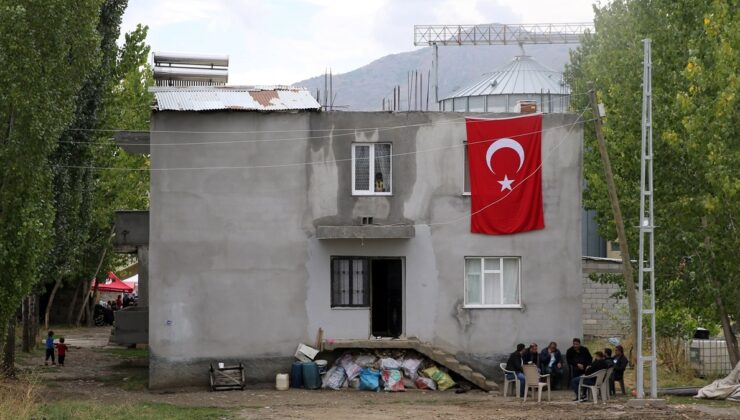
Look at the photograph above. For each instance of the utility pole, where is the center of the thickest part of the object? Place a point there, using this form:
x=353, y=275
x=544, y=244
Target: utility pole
x=646, y=267
x=627, y=272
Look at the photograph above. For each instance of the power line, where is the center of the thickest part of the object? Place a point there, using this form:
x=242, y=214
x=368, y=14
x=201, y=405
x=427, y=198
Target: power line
x=294, y=164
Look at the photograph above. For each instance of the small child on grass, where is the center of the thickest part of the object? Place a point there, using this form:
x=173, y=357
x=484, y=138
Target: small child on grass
x=49, y=349
x=61, y=351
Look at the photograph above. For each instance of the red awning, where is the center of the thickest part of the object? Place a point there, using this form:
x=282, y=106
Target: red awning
x=113, y=284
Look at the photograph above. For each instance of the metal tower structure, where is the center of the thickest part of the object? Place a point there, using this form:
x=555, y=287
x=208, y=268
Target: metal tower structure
x=494, y=34
x=647, y=228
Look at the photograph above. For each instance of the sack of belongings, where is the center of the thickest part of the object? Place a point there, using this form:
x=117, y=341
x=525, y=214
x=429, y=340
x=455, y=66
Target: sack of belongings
x=723, y=389
x=442, y=379
x=369, y=379
x=392, y=380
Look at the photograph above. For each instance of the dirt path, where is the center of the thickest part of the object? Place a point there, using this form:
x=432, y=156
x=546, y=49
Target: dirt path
x=97, y=371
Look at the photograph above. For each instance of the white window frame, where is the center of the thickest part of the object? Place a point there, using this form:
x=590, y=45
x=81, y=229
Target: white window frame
x=500, y=272
x=371, y=168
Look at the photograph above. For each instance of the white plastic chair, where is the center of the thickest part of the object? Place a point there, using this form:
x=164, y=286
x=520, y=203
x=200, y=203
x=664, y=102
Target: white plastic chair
x=508, y=381
x=605, y=385
x=596, y=387
x=532, y=380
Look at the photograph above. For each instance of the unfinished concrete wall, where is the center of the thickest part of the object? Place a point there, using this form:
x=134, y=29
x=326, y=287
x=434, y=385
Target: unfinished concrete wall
x=237, y=273
x=603, y=314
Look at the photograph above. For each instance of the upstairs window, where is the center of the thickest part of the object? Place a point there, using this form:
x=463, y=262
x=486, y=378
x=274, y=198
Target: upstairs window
x=371, y=169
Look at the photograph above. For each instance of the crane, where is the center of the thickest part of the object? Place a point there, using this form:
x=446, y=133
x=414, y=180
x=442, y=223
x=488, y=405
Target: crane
x=494, y=34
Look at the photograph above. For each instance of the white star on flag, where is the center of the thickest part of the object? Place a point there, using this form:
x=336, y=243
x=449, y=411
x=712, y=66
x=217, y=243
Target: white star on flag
x=506, y=183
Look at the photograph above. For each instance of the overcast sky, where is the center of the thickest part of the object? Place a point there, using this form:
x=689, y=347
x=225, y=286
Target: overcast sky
x=284, y=41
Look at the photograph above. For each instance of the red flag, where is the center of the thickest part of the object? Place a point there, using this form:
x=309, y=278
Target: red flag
x=504, y=157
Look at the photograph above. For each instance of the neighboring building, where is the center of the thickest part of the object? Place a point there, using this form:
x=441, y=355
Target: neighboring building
x=604, y=314
x=523, y=81
x=356, y=223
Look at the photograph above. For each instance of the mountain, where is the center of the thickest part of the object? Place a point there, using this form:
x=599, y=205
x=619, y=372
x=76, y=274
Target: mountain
x=363, y=89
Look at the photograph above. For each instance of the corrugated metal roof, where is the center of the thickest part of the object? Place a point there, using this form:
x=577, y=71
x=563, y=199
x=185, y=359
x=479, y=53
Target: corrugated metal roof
x=239, y=98
x=522, y=75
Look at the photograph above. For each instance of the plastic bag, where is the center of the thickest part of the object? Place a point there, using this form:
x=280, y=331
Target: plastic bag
x=388, y=363
x=442, y=379
x=392, y=380
x=351, y=368
x=425, y=383
x=370, y=379
x=411, y=368
x=334, y=378
x=365, y=360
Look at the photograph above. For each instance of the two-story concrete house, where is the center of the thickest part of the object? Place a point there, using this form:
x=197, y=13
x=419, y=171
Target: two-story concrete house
x=271, y=219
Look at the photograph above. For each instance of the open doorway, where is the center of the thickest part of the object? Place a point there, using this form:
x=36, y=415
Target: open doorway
x=387, y=297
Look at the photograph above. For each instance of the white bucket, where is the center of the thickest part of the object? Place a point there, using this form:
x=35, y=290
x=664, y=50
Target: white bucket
x=321, y=364
x=282, y=383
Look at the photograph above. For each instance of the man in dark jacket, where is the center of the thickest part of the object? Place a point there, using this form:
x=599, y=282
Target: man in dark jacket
x=532, y=355
x=620, y=364
x=599, y=363
x=578, y=358
x=551, y=363
x=514, y=364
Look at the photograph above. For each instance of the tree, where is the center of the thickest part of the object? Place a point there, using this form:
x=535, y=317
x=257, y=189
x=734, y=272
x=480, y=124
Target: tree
x=127, y=105
x=47, y=49
x=695, y=61
x=73, y=179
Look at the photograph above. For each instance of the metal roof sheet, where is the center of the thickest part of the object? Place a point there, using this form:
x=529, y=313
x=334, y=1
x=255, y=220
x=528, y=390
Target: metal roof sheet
x=239, y=98
x=523, y=75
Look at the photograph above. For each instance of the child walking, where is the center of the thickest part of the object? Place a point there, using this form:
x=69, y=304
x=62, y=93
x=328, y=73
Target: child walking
x=61, y=351
x=49, y=349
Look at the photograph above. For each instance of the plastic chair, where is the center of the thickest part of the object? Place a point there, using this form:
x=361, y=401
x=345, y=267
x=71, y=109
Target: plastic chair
x=508, y=381
x=596, y=387
x=605, y=392
x=532, y=380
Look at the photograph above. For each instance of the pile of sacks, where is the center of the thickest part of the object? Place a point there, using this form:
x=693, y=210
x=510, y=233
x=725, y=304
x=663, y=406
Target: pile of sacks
x=396, y=371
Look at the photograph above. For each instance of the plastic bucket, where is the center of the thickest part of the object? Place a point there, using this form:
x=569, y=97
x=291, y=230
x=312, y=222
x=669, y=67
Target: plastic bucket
x=311, y=377
x=282, y=381
x=322, y=364
x=296, y=375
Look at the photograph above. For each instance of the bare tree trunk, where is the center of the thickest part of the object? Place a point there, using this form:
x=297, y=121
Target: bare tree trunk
x=7, y=368
x=53, y=294
x=71, y=310
x=627, y=271
x=85, y=308
x=34, y=320
x=26, y=322
x=730, y=338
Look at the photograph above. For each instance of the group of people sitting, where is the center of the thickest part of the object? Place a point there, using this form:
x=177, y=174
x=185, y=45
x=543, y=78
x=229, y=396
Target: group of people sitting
x=578, y=361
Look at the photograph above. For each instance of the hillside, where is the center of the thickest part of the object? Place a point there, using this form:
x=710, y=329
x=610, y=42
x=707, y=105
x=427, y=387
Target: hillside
x=363, y=89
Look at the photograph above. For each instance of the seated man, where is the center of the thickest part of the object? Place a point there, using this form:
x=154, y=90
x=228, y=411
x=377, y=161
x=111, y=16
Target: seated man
x=598, y=364
x=620, y=364
x=578, y=357
x=514, y=364
x=532, y=355
x=551, y=362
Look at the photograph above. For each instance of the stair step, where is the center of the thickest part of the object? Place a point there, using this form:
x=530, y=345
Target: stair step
x=478, y=377
x=465, y=368
x=492, y=386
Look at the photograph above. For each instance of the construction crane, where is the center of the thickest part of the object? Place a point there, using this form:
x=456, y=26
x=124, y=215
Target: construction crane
x=494, y=34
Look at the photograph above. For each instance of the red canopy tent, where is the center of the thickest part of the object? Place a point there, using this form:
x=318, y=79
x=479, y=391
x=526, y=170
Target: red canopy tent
x=113, y=284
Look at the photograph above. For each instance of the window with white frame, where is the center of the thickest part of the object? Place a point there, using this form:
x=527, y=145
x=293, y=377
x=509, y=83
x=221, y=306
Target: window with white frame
x=492, y=282
x=371, y=169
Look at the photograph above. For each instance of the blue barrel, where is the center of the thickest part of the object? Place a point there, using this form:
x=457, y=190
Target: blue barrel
x=311, y=377
x=296, y=375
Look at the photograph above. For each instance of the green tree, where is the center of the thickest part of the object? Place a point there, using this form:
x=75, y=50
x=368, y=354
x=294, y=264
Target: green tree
x=47, y=50
x=695, y=60
x=72, y=185
x=127, y=105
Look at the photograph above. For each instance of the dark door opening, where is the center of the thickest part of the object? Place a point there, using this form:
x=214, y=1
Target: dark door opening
x=387, y=297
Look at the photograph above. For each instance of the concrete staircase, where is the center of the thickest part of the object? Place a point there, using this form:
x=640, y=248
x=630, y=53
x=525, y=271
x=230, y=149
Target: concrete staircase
x=438, y=355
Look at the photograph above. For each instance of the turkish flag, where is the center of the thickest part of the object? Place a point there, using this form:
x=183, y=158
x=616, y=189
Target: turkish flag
x=504, y=157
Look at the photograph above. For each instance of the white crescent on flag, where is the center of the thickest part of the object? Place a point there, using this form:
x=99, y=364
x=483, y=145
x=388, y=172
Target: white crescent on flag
x=505, y=143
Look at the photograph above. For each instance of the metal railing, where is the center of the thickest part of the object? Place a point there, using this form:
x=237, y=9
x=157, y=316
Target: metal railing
x=501, y=34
